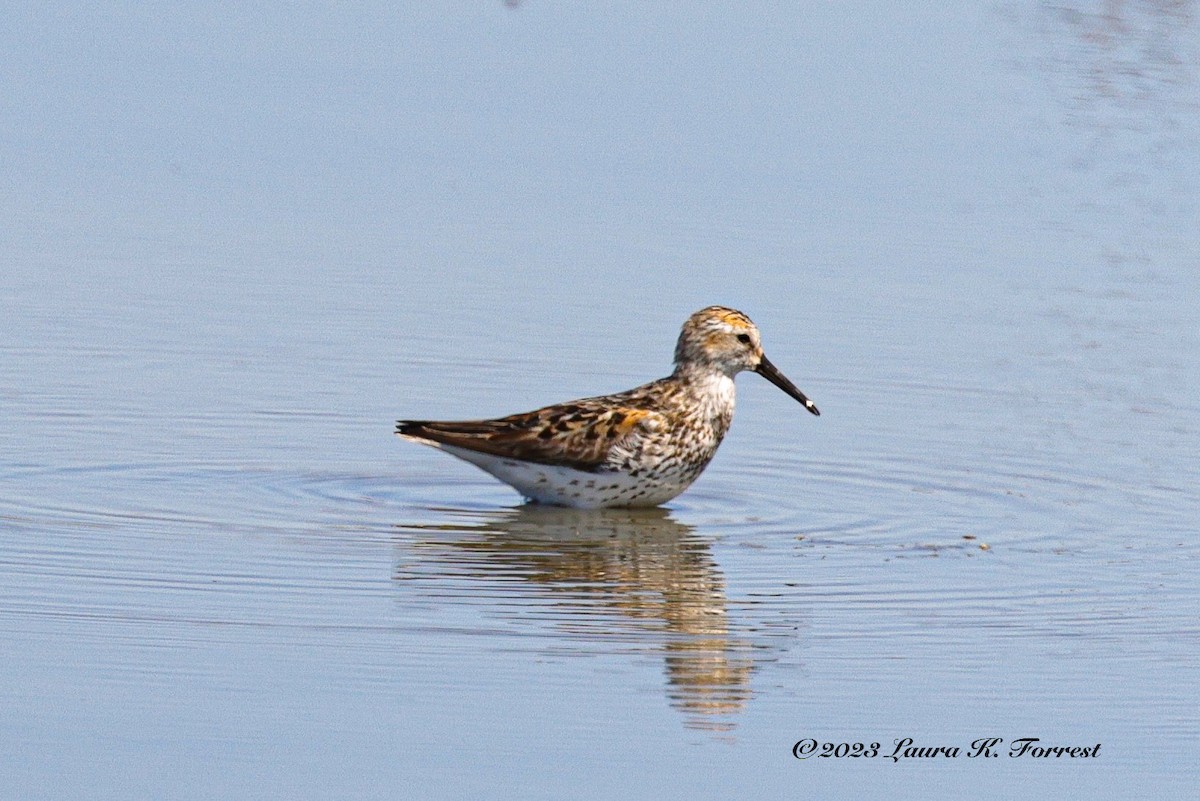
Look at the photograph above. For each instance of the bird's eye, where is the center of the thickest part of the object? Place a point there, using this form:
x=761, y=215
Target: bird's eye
x=743, y=338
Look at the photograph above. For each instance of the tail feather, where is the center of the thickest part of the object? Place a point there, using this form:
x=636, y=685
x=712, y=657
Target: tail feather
x=431, y=429
x=409, y=428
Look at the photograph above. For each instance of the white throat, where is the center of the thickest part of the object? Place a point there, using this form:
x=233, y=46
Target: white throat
x=716, y=392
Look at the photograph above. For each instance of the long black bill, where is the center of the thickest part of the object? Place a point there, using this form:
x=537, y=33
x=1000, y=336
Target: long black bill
x=772, y=374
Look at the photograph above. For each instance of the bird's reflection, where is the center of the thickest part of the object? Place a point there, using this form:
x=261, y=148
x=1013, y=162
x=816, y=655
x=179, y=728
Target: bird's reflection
x=619, y=575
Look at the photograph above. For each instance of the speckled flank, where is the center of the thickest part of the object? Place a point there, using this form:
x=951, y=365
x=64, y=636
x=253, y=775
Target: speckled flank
x=566, y=486
x=641, y=447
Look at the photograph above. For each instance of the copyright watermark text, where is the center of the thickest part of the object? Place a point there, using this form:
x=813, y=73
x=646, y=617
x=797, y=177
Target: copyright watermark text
x=907, y=748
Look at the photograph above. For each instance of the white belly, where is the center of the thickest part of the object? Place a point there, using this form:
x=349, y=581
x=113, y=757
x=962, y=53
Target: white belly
x=565, y=486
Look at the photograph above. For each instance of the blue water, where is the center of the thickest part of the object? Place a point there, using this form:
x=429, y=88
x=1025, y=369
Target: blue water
x=240, y=242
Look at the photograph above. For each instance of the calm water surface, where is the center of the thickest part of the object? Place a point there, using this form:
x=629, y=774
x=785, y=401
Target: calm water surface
x=239, y=244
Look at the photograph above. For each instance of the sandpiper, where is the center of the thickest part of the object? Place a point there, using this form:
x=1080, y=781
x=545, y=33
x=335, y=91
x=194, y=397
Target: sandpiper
x=641, y=447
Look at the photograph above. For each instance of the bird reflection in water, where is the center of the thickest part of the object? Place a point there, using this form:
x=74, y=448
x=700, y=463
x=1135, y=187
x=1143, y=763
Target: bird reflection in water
x=618, y=576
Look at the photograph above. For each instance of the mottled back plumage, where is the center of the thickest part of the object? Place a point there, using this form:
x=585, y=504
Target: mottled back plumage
x=640, y=447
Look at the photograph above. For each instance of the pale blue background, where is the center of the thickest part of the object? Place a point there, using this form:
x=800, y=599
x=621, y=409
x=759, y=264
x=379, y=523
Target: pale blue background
x=239, y=241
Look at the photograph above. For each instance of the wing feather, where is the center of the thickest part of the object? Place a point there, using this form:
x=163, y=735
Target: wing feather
x=581, y=435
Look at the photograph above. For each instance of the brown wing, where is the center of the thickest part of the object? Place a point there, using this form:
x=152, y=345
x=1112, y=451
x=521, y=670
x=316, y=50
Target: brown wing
x=572, y=434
